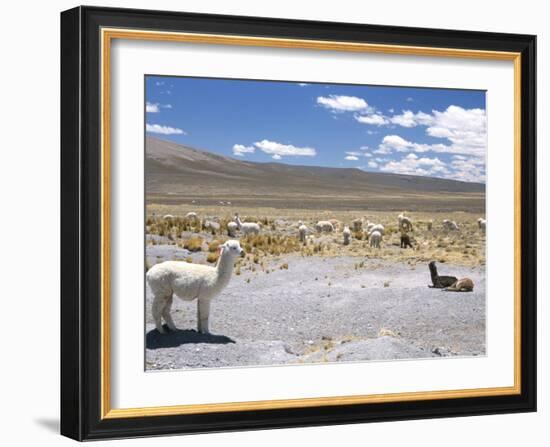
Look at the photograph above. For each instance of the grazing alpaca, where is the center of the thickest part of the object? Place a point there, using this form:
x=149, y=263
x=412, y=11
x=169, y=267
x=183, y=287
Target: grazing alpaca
x=247, y=227
x=462, y=285
x=232, y=228
x=302, y=231
x=347, y=235
x=450, y=225
x=375, y=239
x=324, y=226
x=440, y=282
x=405, y=241
x=404, y=223
x=189, y=282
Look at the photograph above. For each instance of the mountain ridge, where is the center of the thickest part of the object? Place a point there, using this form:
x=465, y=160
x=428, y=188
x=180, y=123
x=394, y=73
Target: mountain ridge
x=174, y=170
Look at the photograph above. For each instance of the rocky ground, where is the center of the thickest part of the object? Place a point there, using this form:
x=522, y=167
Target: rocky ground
x=321, y=309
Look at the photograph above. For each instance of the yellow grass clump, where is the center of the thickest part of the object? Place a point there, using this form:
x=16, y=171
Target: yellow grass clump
x=193, y=244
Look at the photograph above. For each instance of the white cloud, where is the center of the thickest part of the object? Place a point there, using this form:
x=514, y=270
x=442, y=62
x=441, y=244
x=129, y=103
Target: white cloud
x=409, y=99
x=155, y=107
x=303, y=84
x=152, y=108
x=372, y=132
x=239, y=150
x=372, y=164
x=375, y=119
x=342, y=103
x=391, y=110
x=395, y=143
x=164, y=130
x=277, y=157
x=410, y=119
x=468, y=169
x=352, y=157
x=355, y=153
x=274, y=148
x=466, y=129
x=413, y=165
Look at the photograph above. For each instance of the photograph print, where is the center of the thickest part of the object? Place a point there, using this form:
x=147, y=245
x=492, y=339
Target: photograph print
x=294, y=223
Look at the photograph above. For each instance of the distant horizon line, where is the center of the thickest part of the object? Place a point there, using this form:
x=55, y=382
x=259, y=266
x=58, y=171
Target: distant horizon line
x=311, y=166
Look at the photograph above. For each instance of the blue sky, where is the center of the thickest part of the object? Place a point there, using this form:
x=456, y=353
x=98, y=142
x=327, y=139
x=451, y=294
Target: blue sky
x=419, y=131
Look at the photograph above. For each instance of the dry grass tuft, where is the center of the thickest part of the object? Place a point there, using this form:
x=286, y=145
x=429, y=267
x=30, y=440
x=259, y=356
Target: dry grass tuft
x=193, y=244
x=212, y=257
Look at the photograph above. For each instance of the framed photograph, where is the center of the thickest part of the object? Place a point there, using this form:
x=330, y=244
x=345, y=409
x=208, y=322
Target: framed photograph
x=275, y=223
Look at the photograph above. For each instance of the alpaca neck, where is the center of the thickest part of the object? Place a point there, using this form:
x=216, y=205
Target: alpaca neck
x=225, y=265
x=433, y=272
x=238, y=220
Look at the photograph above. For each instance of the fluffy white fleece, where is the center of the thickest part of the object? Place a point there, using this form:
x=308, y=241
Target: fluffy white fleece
x=375, y=239
x=189, y=282
x=232, y=229
x=324, y=226
x=247, y=227
x=302, y=230
x=378, y=227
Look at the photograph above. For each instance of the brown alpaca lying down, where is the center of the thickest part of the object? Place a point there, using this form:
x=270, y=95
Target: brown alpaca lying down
x=449, y=283
x=462, y=285
x=440, y=282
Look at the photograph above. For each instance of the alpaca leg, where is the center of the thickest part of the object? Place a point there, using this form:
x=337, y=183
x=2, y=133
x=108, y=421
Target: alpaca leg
x=166, y=314
x=158, y=305
x=203, y=313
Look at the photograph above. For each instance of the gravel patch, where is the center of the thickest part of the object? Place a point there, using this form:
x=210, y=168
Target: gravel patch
x=322, y=310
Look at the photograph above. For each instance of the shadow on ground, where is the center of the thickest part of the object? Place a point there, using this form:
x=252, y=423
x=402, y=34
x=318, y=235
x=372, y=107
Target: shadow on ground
x=49, y=424
x=173, y=339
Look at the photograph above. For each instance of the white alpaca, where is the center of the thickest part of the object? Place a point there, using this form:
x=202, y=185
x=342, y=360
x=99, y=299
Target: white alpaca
x=247, y=227
x=347, y=235
x=302, y=231
x=450, y=225
x=189, y=282
x=429, y=225
x=168, y=217
x=324, y=226
x=191, y=215
x=369, y=226
x=375, y=239
x=232, y=228
x=482, y=224
x=211, y=225
x=378, y=227
x=404, y=223
x=336, y=224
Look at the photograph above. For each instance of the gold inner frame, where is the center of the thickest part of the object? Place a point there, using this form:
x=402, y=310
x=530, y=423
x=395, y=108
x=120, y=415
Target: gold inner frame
x=107, y=35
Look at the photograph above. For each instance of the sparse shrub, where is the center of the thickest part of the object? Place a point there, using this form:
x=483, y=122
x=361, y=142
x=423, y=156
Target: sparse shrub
x=213, y=246
x=212, y=257
x=193, y=244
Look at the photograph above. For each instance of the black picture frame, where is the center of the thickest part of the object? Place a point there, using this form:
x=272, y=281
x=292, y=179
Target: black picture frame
x=81, y=223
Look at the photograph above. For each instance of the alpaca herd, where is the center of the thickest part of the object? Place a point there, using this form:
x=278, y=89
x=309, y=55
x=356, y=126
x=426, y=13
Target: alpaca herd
x=371, y=231
x=189, y=281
